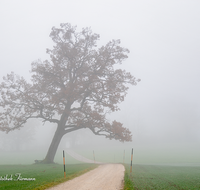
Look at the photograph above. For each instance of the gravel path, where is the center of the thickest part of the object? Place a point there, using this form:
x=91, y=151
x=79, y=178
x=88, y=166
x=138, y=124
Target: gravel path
x=104, y=177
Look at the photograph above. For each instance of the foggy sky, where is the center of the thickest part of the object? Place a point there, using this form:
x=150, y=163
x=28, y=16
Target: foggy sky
x=164, y=43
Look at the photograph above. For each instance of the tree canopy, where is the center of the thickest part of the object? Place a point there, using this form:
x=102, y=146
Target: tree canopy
x=76, y=88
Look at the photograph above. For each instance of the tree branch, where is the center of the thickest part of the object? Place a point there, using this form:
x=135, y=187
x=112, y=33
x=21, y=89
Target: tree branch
x=72, y=128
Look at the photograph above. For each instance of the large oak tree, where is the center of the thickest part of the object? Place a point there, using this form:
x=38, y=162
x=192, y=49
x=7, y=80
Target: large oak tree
x=75, y=89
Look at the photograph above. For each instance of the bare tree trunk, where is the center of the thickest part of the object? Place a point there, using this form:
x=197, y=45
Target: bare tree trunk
x=54, y=146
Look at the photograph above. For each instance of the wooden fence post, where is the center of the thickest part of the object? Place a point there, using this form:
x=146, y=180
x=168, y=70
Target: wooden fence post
x=64, y=163
x=131, y=161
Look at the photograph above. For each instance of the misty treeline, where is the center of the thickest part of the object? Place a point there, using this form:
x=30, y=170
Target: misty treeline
x=75, y=89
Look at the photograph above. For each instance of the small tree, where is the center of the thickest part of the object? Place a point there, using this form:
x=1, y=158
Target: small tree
x=74, y=90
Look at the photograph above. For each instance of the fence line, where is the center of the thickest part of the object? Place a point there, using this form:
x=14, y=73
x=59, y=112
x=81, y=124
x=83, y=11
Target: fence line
x=80, y=158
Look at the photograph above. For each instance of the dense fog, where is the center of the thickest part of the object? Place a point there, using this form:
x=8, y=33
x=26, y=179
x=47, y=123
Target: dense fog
x=162, y=111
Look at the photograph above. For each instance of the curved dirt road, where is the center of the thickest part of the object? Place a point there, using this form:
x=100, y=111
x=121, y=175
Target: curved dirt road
x=104, y=177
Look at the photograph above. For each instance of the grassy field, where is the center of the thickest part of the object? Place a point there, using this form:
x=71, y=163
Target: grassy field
x=143, y=176
x=162, y=177
x=45, y=175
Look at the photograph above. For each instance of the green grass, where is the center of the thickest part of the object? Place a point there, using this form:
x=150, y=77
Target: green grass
x=45, y=175
x=162, y=177
x=128, y=183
